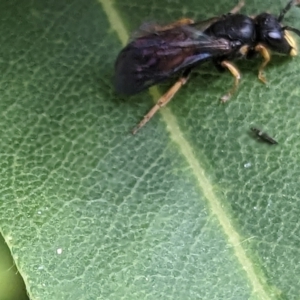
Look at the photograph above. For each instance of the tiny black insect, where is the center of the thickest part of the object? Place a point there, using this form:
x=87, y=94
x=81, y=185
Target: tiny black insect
x=157, y=52
x=264, y=136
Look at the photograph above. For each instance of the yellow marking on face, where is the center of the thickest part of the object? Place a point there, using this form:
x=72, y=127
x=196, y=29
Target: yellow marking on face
x=292, y=43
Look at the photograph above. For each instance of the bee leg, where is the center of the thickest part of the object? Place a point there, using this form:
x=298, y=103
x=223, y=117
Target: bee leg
x=263, y=51
x=238, y=7
x=163, y=100
x=181, y=22
x=237, y=76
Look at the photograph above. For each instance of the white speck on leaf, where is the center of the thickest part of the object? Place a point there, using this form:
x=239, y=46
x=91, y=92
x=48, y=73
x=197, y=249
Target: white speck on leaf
x=247, y=165
x=59, y=251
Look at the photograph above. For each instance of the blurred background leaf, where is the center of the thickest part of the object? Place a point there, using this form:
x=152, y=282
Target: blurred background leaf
x=11, y=284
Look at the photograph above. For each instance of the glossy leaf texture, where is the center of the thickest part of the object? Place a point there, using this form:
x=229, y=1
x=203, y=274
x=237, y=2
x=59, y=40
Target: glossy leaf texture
x=192, y=207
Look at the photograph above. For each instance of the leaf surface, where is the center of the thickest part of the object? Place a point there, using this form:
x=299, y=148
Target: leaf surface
x=191, y=207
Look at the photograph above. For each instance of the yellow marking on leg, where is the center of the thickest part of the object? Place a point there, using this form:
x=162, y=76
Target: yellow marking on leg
x=181, y=22
x=266, y=56
x=244, y=50
x=237, y=76
x=164, y=99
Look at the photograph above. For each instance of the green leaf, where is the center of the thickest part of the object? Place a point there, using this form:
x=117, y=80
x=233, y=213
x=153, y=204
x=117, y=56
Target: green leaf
x=190, y=208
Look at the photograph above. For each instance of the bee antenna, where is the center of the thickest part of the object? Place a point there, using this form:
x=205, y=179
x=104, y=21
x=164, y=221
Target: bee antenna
x=286, y=9
x=297, y=31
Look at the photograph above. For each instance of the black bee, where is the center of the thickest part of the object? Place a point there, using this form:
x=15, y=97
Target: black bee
x=264, y=136
x=157, y=52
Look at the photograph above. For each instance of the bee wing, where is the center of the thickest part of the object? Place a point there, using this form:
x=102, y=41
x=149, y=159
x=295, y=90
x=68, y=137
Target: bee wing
x=145, y=29
x=154, y=27
x=155, y=57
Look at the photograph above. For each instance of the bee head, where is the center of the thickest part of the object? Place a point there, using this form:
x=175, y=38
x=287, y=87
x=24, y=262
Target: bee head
x=275, y=37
